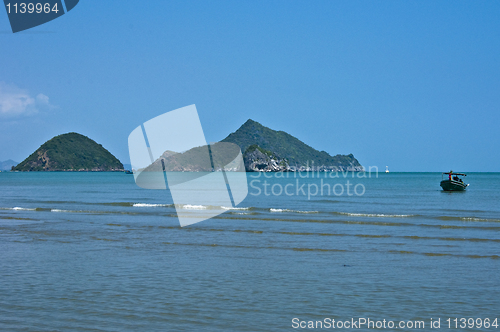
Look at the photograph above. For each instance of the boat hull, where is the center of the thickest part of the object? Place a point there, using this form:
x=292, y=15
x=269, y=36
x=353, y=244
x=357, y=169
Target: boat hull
x=451, y=185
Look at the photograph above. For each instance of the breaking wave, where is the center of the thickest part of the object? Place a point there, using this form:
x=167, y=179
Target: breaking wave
x=379, y=215
x=293, y=211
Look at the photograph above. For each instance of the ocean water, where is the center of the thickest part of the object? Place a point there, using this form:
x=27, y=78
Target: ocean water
x=92, y=251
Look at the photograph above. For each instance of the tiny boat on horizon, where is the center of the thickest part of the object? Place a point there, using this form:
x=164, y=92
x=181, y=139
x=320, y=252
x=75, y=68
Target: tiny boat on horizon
x=454, y=182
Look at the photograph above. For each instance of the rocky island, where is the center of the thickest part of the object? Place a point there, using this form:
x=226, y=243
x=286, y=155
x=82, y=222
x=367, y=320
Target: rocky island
x=70, y=152
x=264, y=150
x=269, y=150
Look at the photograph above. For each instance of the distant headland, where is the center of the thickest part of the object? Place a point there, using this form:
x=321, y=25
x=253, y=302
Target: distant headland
x=7, y=165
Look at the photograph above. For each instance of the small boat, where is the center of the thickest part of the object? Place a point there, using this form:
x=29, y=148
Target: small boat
x=454, y=183
x=128, y=172
x=387, y=169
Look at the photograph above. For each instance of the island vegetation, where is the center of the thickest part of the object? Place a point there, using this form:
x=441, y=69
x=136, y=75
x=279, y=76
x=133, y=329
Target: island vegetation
x=273, y=150
x=263, y=149
x=70, y=152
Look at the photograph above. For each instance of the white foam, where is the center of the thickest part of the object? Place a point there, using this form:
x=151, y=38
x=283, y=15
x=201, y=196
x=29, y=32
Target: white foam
x=17, y=208
x=478, y=219
x=294, y=211
x=148, y=205
x=380, y=215
x=234, y=208
x=194, y=207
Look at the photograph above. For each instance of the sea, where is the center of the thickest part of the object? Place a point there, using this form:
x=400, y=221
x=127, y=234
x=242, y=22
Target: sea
x=303, y=251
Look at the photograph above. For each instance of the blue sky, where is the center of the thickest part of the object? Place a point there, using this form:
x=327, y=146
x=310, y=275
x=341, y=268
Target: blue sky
x=414, y=85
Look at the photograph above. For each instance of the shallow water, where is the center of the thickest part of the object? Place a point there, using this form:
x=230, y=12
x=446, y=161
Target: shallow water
x=92, y=251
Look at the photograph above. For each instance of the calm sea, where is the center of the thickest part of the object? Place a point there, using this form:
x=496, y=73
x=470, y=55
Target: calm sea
x=92, y=251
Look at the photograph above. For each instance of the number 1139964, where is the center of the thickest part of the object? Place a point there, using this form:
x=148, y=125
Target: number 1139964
x=31, y=7
x=472, y=323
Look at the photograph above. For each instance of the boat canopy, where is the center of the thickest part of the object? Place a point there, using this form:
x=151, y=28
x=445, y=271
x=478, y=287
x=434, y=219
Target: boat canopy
x=462, y=174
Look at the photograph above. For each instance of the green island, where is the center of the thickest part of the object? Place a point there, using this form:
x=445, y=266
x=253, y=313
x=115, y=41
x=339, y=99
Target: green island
x=70, y=152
